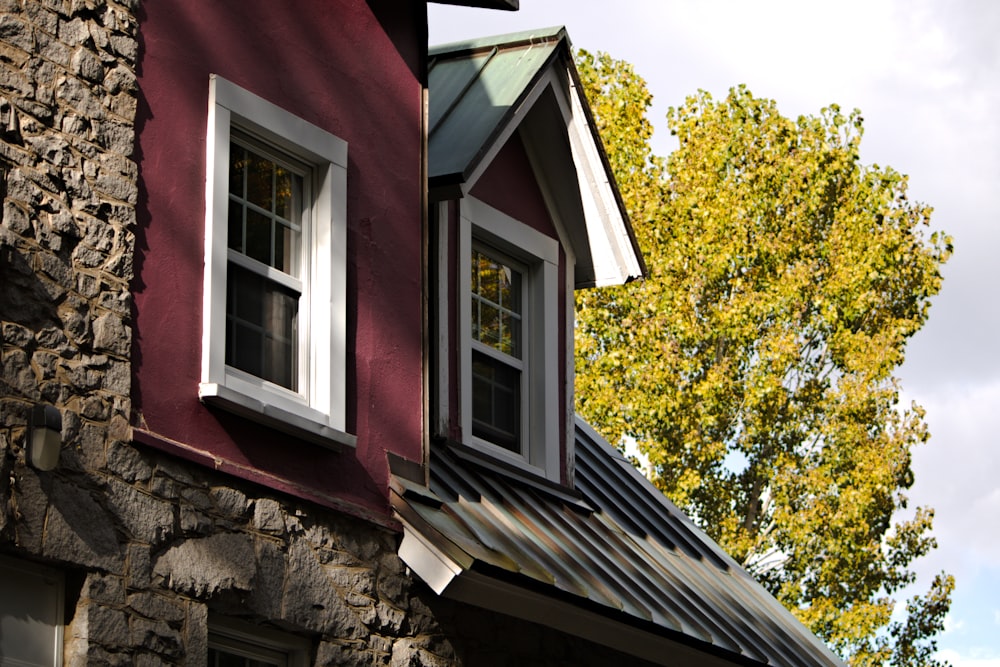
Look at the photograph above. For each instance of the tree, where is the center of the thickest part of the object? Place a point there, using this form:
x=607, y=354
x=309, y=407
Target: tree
x=754, y=366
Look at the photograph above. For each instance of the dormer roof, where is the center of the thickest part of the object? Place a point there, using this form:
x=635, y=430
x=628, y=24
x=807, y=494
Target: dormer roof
x=482, y=92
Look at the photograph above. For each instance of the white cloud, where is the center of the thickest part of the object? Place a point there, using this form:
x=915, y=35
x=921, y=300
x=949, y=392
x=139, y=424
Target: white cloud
x=958, y=474
x=951, y=625
x=958, y=659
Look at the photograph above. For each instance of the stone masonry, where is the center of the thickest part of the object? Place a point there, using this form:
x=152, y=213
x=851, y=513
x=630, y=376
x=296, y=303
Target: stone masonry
x=67, y=106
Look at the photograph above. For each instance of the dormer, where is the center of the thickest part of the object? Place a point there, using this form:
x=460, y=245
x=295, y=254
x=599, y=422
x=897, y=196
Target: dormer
x=524, y=210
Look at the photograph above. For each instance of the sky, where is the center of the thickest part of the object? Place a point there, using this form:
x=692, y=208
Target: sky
x=926, y=76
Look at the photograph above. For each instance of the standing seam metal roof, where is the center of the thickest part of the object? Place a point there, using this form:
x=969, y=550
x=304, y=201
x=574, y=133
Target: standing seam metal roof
x=476, y=86
x=623, y=547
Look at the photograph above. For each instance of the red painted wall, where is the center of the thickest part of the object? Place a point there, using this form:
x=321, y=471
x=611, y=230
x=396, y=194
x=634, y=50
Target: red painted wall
x=354, y=68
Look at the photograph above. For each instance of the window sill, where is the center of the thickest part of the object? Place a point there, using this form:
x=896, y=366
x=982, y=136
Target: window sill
x=311, y=428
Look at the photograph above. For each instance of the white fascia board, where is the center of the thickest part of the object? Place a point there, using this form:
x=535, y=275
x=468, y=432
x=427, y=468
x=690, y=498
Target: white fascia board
x=606, y=227
x=429, y=563
x=615, y=259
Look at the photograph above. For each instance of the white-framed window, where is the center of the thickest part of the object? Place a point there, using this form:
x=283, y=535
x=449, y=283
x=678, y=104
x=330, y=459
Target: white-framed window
x=234, y=644
x=31, y=614
x=274, y=334
x=508, y=339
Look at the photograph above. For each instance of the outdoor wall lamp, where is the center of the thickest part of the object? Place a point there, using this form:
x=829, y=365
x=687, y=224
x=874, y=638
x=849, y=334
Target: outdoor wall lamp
x=44, y=436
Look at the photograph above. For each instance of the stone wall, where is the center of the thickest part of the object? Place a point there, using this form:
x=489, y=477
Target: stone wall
x=164, y=545
x=67, y=106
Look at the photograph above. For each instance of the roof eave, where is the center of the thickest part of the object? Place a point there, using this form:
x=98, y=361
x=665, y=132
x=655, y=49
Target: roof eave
x=506, y=5
x=460, y=581
x=602, y=154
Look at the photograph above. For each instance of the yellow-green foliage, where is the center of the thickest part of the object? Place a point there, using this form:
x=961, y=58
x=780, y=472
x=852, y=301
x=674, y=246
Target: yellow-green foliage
x=754, y=366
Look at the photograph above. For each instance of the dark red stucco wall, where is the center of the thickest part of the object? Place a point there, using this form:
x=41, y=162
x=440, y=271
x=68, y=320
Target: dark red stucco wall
x=355, y=69
x=510, y=185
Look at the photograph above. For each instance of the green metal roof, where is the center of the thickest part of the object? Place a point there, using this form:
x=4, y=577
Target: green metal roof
x=476, y=87
x=482, y=91
x=619, y=550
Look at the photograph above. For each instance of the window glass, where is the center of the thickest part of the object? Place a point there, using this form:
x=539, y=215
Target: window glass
x=496, y=401
x=496, y=312
x=264, y=209
x=262, y=327
x=235, y=644
x=264, y=225
x=496, y=304
x=30, y=614
x=218, y=657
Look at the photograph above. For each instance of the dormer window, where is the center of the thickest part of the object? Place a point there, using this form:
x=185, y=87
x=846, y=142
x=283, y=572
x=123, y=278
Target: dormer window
x=509, y=339
x=498, y=357
x=527, y=212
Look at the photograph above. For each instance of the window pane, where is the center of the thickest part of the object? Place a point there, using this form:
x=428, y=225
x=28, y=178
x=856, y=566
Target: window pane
x=489, y=326
x=286, y=249
x=280, y=353
x=246, y=349
x=496, y=402
x=510, y=335
x=262, y=327
x=511, y=297
x=246, y=296
x=235, y=226
x=283, y=189
x=258, y=242
x=237, y=168
x=260, y=180
x=490, y=274
x=496, y=304
x=265, y=205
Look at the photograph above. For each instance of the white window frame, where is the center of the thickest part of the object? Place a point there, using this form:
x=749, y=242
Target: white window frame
x=483, y=226
x=317, y=411
x=257, y=642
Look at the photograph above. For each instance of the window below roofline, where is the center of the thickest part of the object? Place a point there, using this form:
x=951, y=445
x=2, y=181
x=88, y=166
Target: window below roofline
x=313, y=405
x=31, y=613
x=230, y=641
x=482, y=226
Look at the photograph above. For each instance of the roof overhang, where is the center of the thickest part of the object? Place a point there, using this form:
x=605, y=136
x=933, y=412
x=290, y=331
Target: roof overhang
x=612, y=561
x=460, y=582
x=483, y=93
x=509, y=5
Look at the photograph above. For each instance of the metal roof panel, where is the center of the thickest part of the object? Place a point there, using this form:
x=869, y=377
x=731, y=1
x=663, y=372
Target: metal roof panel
x=633, y=554
x=475, y=92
